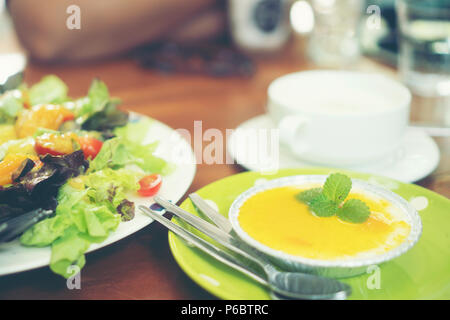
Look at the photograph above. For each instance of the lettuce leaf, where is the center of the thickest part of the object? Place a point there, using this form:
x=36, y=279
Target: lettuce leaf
x=46, y=231
x=136, y=132
x=96, y=100
x=140, y=153
x=143, y=157
x=112, y=154
x=10, y=107
x=50, y=89
x=110, y=186
x=68, y=250
x=107, y=119
x=128, y=147
x=119, y=152
x=98, y=111
x=85, y=214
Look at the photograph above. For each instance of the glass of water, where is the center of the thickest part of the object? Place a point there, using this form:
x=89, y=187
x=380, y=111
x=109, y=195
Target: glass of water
x=424, y=38
x=333, y=41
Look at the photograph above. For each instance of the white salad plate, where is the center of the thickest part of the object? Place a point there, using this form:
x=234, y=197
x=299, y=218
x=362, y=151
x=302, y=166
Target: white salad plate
x=172, y=147
x=416, y=157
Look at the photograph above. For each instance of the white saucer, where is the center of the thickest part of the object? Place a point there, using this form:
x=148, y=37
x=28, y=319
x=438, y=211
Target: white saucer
x=417, y=156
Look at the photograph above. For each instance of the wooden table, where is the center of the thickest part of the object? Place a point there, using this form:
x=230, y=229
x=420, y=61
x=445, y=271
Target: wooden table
x=141, y=266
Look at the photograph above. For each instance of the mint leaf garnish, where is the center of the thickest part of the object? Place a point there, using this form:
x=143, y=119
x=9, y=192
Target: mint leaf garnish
x=321, y=206
x=337, y=187
x=329, y=200
x=354, y=210
x=308, y=195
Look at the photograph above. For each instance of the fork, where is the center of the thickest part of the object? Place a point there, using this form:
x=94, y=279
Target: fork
x=289, y=284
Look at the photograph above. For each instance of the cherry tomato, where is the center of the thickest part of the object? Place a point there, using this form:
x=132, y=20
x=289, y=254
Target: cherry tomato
x=150, y=185
x=54, y=144
x=90, y=146
x=68, y=116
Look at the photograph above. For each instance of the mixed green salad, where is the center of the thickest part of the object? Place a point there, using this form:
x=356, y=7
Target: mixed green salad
x=77, y=160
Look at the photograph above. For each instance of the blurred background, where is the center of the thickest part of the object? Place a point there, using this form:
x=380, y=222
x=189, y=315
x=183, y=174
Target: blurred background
x=411, y=38
x=406, y=39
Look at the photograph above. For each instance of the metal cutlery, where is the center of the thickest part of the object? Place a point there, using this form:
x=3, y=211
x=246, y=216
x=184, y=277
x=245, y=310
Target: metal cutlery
x=156, y=211
x=218, y=219
x=155, y=214
x=289, y=284
x=12, y=228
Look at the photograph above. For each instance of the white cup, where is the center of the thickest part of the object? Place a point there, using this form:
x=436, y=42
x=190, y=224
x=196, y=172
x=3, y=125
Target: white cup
x=339, y=118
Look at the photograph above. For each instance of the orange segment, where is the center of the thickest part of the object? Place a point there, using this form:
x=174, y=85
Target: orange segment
x=55, y=144
x=11, y=163
x=41, y=116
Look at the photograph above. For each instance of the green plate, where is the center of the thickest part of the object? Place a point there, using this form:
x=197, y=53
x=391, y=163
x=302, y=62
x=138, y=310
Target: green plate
x=421, y=273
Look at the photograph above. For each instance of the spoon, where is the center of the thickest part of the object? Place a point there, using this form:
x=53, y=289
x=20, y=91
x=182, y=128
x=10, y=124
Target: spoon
x=289, y=284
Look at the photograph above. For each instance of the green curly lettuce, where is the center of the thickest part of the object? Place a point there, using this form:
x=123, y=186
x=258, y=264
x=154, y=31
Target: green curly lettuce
x=128, y=147
x=89, y=208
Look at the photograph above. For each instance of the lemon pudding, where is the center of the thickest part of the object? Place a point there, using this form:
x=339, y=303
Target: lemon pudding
x=275, y=218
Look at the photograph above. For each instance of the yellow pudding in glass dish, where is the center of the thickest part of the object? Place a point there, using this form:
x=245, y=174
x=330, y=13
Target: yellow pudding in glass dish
x=271, y=218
